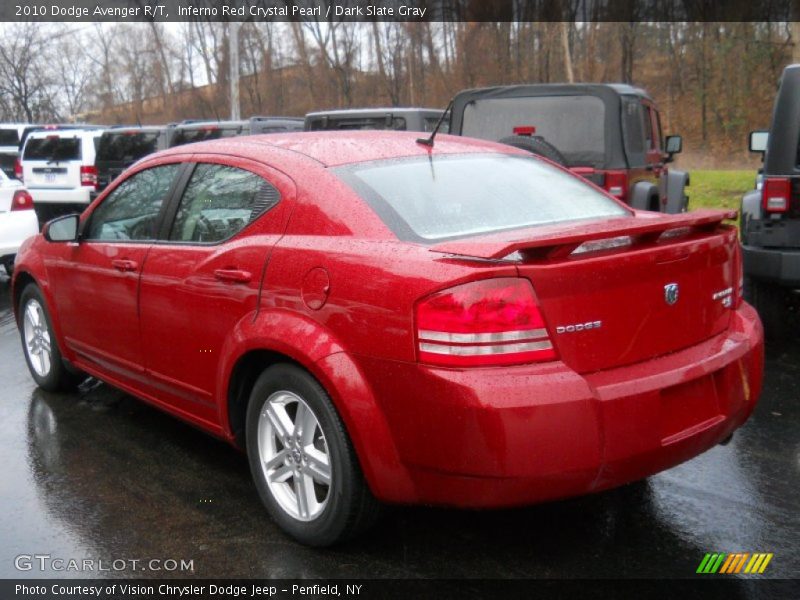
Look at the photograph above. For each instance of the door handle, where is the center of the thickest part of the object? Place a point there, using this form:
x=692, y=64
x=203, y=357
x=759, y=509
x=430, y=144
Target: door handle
x=233, y=275
x=121, y=264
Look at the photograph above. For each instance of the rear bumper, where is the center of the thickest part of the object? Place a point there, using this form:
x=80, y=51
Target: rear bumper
x=79, y=195
x=780, y=266
x=511, y=436
x=15, y=228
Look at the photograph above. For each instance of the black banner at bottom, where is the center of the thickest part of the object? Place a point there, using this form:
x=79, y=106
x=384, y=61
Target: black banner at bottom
x=288, y=589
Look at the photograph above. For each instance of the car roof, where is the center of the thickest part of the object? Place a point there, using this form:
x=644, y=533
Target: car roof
x=16, y=125
x=259, y=119
x=73, y=132
x=212, y=125
x=533, y=89
x=379, y=112
x=333, y=148
x=114, y=129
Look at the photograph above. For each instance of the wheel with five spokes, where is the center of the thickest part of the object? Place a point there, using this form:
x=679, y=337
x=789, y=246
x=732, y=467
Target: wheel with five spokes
x=40, y=345
x=302, y=461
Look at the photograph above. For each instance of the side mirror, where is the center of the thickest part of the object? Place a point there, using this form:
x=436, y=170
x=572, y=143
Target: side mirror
x=673, y=145
x=62, y=229
x=758, y=140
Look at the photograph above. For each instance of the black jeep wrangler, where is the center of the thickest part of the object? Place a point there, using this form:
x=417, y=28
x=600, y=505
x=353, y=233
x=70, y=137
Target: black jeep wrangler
x=770, y=214
x=608, y=133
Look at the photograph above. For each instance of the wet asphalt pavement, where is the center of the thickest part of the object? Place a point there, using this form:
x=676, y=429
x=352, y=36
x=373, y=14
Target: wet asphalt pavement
x=100, y=475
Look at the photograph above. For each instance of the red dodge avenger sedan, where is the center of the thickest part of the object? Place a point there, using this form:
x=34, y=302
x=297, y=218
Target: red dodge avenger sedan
x=377, y=320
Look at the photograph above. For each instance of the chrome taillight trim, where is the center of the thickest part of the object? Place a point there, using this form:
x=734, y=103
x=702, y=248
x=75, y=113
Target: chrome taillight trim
x=485, y=350
x=482, y=338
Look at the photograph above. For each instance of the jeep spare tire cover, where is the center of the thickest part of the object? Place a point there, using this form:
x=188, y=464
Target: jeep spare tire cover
x=536, y=145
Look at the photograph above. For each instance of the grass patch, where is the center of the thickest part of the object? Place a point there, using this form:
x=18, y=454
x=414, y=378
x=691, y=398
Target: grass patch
x=719, y=189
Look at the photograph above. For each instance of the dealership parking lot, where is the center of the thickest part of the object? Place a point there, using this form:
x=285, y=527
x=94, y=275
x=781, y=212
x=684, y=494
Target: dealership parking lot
x=99, y=475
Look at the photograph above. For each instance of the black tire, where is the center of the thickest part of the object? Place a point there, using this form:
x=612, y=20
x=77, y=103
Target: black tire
x=58, y=377
x=536, y=145
x=349, y=506
x=8, y=264
x=771, y=302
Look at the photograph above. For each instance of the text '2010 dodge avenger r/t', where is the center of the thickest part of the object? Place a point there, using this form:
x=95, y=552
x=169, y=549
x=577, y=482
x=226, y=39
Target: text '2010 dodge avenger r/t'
x=377, y=320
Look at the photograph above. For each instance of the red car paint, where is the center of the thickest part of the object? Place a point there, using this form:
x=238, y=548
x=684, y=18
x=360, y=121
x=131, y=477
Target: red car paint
x=322, y=281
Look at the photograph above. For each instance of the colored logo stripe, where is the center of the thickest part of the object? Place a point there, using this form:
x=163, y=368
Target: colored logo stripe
x=734, y=563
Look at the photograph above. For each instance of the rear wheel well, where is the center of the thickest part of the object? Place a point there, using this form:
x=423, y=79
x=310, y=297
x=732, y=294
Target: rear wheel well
x=243, y=377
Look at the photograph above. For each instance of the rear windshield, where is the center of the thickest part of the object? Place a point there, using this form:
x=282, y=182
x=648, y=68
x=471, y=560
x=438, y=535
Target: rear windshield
x=188, y=136
x=126, y=146
x=9, y=137
x=575, y=125
x=53, y=148
x=352, y=123
x=429, y=200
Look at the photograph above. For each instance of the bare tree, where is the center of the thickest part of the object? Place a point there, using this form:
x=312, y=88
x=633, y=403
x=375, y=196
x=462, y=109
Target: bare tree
x=23, y=78
x=72, y=72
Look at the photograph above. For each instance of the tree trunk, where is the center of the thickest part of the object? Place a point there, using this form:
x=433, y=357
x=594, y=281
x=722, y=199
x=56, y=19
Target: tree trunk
x=567, y=53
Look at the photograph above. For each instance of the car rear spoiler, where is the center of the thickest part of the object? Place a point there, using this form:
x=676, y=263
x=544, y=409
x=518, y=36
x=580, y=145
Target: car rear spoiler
x=557, y=241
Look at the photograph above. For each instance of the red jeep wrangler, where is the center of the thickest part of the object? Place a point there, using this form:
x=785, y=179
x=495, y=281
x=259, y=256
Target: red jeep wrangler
x=608, y=133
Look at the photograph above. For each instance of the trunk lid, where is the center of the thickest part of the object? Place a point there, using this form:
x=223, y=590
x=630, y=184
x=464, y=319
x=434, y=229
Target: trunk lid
x=621, y=291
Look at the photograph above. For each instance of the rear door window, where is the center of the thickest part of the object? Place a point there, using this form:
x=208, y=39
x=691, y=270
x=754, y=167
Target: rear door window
x=658, y=136
x=648, y=129
x=634, y=131
x=220, y=201
x=53, y=148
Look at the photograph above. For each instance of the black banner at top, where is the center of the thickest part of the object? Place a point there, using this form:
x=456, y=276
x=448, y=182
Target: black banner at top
x=399, y=10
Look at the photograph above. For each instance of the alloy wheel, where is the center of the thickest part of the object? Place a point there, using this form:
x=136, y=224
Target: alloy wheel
x=37, y=338
x=294, y=455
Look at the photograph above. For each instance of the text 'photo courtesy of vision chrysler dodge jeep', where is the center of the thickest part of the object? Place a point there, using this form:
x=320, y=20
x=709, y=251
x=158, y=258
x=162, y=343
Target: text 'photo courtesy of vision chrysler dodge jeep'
x=379, y=319
x=770, y=216
x=608, y=133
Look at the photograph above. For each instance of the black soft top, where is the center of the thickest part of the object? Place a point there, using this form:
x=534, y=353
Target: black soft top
x=784, y=132
x=609, y=94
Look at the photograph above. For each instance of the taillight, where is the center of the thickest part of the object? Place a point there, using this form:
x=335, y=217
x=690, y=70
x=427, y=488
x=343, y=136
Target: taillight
x=524, y=130
x=483, y=323
x=776, y=195
x=22, y=200
x=18, y=169
x=616, y=184
x=89, y=175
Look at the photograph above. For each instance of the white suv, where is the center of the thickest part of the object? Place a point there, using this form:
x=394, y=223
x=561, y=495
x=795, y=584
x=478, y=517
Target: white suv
x=58, y=167
x=17, y=219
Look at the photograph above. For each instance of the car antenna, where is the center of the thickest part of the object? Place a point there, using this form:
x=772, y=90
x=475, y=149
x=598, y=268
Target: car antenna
x=428, y=141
